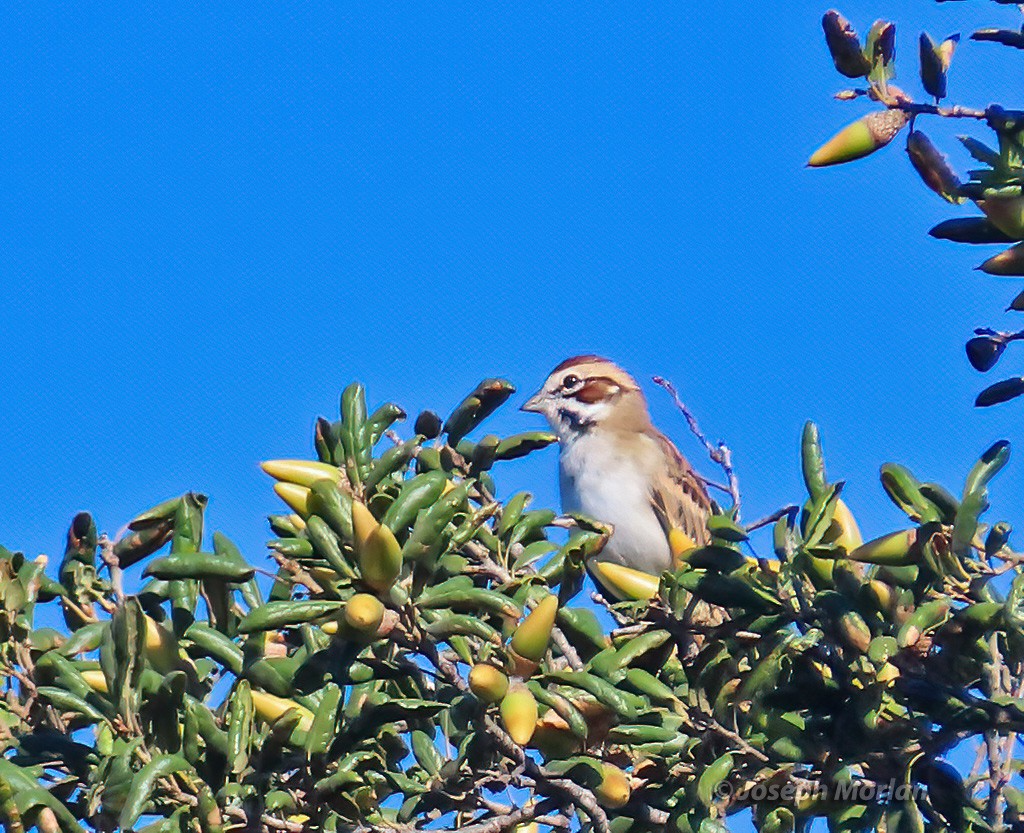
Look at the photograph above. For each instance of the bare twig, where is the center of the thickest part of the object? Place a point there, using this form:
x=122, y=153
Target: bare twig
x=770, y=519
x=997, y=777
x=113, y=565
x=297, y=573
x=268, y=821
x=720, y=454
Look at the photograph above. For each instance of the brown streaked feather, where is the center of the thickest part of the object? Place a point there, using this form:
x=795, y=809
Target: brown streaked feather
x=678, y=495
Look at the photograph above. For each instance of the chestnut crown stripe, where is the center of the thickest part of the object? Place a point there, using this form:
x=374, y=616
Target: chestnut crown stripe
x=576, y=360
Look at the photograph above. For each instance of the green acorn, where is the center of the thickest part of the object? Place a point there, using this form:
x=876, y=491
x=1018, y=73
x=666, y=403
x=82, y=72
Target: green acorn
x=893, y=550
x=488, y=683
x=380, y=559
x=1005, y=211
x=531, y=638
x=364, y=613
x=614, y=790
x=519, y=713
x=860, y=138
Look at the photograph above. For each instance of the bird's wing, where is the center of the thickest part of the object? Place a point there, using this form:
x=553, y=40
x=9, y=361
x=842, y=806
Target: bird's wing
x=678, y=495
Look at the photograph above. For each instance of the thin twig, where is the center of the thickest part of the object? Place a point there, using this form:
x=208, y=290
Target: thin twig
x=719, y=454
x=296, y=571
x=113, y=565
x=497, y=571
x=778, y=514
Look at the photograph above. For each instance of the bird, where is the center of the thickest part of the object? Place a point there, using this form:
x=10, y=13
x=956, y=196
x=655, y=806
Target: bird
x=617, y=468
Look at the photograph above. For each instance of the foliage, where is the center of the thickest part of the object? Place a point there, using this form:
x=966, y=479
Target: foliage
x=395, y=677
x=996, y=187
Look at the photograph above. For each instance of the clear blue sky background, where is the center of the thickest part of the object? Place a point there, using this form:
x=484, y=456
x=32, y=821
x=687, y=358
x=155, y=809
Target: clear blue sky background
x=214, y=219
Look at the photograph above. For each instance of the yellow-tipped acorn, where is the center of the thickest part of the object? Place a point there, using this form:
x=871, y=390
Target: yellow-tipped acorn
x=301, y=472
x=380, y=557
x=269, y=707
x=489, y=684
x=364, y=613
x=519, y=713
x=625, y=582
x=297, y=497
x=892, y=550
x=363, y=523
x=96, y=679
x=849, y=537
x=614, y=790
x=161, y=647
x=679, y=543
x=531, y=638
x=860, y=138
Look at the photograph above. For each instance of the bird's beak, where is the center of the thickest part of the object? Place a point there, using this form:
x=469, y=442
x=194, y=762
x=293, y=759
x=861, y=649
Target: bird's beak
x=535, y=403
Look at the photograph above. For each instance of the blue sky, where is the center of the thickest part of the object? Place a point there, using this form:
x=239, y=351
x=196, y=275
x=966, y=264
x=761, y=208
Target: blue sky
x=215, y=218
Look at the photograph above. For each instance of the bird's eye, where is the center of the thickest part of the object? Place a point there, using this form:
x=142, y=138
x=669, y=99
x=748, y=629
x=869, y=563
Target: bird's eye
x=570, y=381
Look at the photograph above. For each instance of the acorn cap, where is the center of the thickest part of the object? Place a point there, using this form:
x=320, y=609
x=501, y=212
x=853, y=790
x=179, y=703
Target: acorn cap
x=531, y=638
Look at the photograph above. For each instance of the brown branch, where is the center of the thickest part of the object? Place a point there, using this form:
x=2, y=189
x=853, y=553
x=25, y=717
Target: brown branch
x=997, y=777
x=582, y=798
x=268, y=821
x=296, y=572
x=499, y=573
x=720, y=454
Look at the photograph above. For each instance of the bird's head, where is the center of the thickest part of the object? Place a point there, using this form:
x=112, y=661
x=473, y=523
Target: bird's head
x=586, y=391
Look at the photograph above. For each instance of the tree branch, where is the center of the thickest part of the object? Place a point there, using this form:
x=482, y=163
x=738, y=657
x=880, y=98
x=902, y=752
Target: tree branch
x=719, y=454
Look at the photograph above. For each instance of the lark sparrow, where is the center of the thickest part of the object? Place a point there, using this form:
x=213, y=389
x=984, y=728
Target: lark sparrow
x=616, y=467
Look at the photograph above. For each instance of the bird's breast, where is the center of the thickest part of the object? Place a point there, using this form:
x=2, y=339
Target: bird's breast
x=613, y=486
